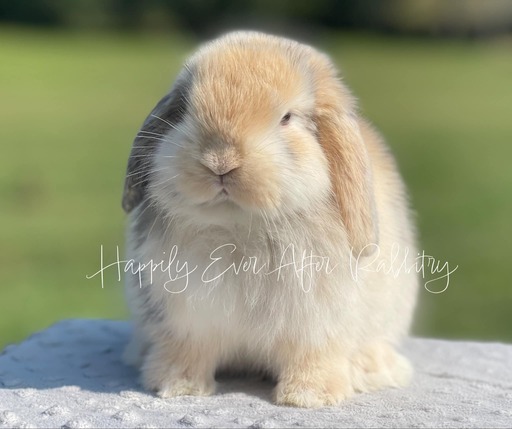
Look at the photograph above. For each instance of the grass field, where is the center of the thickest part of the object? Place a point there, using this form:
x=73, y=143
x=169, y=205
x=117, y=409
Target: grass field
x=70, y=105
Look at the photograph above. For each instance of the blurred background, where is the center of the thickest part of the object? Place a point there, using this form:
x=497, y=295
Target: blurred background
x=78, y=77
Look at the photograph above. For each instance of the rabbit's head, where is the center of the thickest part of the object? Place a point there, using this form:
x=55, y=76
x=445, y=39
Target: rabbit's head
x=256, y=125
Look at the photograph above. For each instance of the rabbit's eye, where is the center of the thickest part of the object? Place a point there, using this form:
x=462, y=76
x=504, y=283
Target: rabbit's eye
x=286, y=118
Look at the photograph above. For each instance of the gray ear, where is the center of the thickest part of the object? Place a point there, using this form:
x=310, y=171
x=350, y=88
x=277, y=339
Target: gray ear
x=167, y=113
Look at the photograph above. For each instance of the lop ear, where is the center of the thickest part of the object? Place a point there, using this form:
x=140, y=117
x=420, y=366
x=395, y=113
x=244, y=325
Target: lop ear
x=168, y=112
x=349, y=164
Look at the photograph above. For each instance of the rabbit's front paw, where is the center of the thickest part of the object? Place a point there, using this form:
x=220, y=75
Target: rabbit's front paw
x=315, y=379
x=311, y=394
x=169, y=375
x=170, y=388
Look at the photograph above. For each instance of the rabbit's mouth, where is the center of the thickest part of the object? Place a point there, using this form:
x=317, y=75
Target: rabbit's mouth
x=222, y=197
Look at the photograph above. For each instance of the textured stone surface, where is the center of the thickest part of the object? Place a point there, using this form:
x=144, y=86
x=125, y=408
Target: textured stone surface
x=71, y=376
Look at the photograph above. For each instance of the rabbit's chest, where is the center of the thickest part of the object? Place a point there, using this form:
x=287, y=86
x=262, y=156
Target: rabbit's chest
x=232, y=287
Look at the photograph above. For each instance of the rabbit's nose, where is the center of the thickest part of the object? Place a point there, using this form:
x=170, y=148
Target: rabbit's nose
x=221, y=163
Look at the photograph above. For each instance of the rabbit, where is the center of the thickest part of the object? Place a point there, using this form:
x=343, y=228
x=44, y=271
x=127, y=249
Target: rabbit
x=264, y=218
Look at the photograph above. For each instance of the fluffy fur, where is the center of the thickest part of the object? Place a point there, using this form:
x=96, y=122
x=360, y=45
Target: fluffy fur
x=258, y=158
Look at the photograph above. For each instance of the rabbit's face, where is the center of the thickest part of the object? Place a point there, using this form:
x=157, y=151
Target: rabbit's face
x=246, y=144
x=256, y=125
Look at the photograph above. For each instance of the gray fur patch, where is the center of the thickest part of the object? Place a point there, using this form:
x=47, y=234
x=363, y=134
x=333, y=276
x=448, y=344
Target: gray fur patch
x=171, y=109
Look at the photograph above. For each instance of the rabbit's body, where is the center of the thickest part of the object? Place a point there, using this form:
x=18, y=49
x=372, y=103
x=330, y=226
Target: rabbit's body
x=274, y=280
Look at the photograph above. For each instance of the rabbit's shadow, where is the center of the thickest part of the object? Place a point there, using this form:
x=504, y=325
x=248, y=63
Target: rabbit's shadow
x=86, y=355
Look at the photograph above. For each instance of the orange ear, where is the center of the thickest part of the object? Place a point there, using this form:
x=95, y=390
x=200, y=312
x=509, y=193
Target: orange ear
x=350, y=169
x=168, y=112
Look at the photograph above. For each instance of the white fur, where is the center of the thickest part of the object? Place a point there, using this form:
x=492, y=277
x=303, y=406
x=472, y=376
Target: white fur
x=322, y=337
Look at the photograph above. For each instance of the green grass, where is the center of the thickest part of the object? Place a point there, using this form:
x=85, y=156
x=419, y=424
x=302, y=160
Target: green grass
x=70, y=105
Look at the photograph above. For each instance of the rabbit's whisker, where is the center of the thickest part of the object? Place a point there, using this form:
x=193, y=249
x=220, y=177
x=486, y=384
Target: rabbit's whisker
x=152, y=171
x=160, y=139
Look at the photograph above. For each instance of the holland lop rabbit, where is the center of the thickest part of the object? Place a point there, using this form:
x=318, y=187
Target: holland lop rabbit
x=262, y=211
